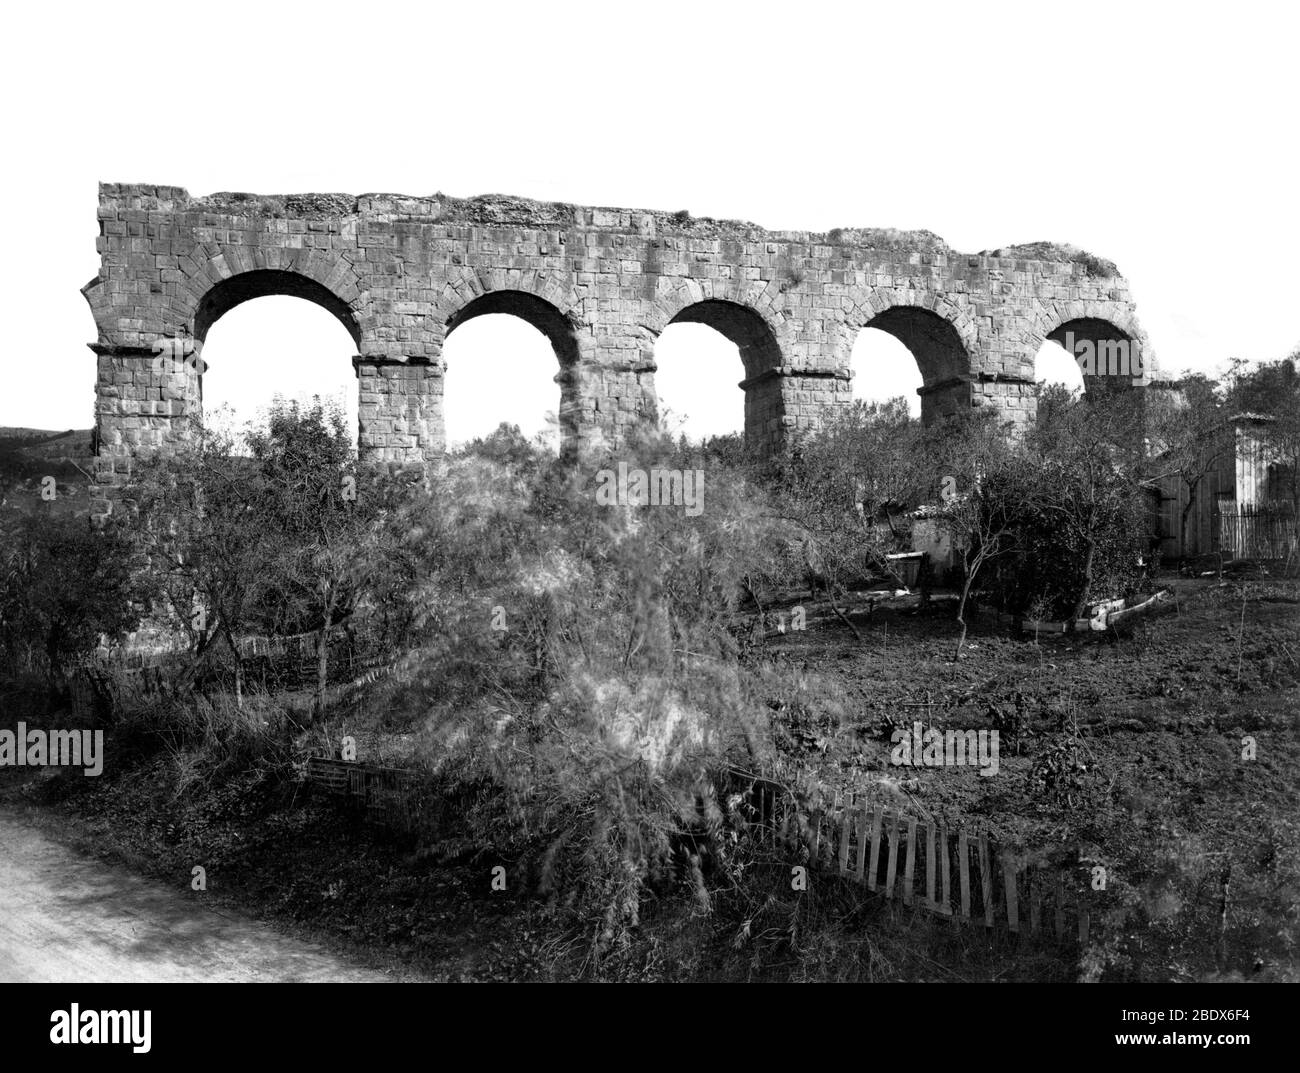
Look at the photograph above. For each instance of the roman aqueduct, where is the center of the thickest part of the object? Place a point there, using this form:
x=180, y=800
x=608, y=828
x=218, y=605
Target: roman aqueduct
x=402, y=273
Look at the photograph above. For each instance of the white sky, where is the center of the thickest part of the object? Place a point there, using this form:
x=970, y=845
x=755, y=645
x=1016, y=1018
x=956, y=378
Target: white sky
x=1161, y=137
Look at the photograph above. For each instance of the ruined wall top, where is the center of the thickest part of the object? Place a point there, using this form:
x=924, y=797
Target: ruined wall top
x=508, y=210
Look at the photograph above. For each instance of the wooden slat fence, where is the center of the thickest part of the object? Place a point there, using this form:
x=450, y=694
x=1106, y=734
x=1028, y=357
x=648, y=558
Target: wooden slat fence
x=387, y=794
x=1257, y=533
x=961, y=875
x=113, y=684
x=269, y=663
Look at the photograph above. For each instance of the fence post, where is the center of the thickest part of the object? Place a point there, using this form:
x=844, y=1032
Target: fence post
x=944, y=867
x=963, y=873
x=986, y=880
x=892, y=871
x=860, y=819
x=1009, y=874
x=846, y=820
x=911, y=861
x=929, y=867
x=877, y=817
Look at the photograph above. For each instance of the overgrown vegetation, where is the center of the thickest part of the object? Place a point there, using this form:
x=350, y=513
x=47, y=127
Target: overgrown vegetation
x=62, y=586
x=591, y=692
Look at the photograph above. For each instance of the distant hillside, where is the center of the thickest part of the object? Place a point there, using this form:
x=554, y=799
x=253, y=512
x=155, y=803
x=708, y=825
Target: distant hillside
x=29, y=455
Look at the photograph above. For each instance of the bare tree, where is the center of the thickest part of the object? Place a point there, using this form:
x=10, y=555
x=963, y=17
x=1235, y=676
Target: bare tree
x=986, y=521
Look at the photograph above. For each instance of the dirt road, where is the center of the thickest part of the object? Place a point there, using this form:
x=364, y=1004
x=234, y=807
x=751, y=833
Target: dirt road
x=65, y=916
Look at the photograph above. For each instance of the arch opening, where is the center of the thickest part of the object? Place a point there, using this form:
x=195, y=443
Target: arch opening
x=696, y=365
x=939, y=371
x=1054, y=365
x=529, y=308
x=1107, y=357
x=275, y=346
x=741, y=326
x=884, y=369
x=697, y=383
x=266, y=283
x=500, y=357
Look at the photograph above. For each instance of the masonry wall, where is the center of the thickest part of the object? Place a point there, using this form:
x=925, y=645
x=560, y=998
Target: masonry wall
x=402, y=272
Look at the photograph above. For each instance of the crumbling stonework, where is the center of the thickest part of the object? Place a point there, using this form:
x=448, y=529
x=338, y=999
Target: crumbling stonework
x=401, y=273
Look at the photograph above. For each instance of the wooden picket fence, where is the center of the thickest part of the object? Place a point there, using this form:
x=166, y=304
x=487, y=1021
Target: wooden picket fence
x=925, y=865
x=387, y=794
x=270, y=663
x=1258, y=532
x=90, y=684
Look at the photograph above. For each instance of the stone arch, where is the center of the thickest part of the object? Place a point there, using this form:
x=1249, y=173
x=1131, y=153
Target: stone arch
x=142, y=404
x=739, y=324
x=197, y=282
x=467, y=286
x=1107, y=334
x=761, y=302
x=941, y=336
x=100, y=299
x=541, y=314
x=236, y=290
x=263, y=283
x=560, y=330
x=219, y=276
x=753, y=334
x=860, y=309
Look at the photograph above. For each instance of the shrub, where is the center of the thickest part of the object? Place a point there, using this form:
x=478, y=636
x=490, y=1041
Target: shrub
x=62, y=585
x=576, y=663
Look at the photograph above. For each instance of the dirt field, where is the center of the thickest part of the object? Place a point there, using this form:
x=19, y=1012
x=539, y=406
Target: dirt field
x=1201, y=847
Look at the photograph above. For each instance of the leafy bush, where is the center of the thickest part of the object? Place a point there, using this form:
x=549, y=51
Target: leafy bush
x=62, y=585
x=1074, y=510
x=1055, y=565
